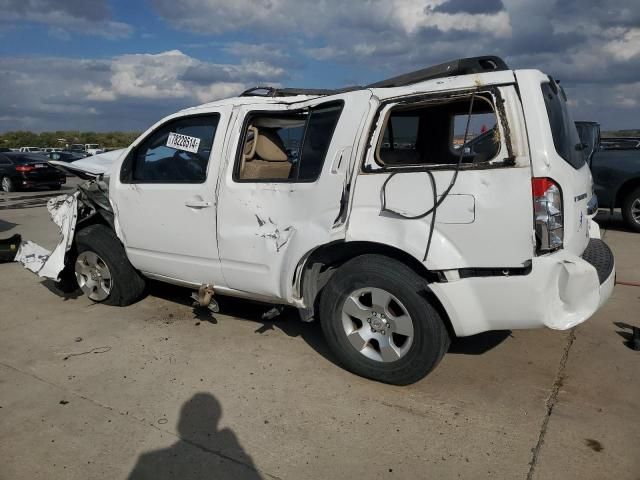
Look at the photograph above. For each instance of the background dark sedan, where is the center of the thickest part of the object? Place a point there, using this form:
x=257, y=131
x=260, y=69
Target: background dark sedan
x=65, y=156
x=26, y=170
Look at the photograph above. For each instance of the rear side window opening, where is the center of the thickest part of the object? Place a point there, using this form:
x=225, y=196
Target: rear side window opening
x=286, y=146
x=563, y=129
x=433, y=133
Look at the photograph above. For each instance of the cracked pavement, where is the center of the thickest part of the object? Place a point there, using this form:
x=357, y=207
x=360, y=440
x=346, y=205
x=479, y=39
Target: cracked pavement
x=186, y=395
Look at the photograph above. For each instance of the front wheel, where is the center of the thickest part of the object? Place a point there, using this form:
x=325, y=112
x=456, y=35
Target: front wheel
x=378, y=322
x=631, y=210
x=102, y=269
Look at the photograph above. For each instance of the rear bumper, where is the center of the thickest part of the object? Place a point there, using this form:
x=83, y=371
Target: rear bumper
x=561, y=291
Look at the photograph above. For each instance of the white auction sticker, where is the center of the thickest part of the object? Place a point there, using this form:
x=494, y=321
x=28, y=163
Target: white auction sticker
x=183, y=142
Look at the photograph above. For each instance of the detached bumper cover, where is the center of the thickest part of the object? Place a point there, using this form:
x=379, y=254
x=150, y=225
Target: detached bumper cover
x=562, y=291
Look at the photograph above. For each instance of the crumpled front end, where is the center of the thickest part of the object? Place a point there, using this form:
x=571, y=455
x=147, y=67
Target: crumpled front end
x=89, y=203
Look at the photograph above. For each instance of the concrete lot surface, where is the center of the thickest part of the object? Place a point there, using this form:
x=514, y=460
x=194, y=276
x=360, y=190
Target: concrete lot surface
x=159, y=391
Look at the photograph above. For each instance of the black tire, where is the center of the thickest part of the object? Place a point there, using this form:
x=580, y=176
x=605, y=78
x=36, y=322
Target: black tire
x=7, y=185
x=431, y=338
x=127, y=284
x=55, y=187
x=631, y=202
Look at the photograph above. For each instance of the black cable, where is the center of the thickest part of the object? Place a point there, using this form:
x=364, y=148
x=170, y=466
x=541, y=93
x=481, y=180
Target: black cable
x=436, y=202
x=433, y=216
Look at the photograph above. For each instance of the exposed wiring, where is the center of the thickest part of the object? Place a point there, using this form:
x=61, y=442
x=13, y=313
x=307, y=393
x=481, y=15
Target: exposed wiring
x=436, y=202
x=432, y=224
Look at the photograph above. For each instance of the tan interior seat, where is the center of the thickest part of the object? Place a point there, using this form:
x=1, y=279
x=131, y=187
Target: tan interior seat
x=264, y=156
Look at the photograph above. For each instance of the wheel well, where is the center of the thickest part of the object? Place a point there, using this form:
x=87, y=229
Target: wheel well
x=626, y=188
x=317, y=268
x=86, y=222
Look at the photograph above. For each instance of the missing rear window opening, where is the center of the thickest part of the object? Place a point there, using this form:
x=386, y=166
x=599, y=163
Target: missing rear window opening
x=433, y=133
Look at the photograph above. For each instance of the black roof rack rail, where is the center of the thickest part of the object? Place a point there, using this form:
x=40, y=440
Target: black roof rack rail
x=259, y=91
x=290, y=92
x=462, y=66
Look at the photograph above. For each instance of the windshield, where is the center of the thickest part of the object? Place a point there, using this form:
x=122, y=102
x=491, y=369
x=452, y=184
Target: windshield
x=563, y=129
x=93, y=145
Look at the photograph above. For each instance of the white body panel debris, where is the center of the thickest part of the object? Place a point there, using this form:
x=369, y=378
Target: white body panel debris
x=32, y=256
x=64, y=213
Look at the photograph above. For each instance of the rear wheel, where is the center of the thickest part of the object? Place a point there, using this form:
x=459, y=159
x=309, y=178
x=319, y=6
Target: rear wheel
x=378, y=323
x=631, y=210
x=102, y=269
x=7, y=184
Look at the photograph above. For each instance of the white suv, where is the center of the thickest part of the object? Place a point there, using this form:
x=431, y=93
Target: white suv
x=441, y=203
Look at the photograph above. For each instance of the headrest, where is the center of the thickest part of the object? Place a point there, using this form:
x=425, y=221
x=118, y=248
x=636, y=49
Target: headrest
x=269, y=146
x=249, y=144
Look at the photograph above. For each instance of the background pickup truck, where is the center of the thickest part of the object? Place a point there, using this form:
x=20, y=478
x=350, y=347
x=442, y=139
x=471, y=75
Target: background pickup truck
x=615, y=167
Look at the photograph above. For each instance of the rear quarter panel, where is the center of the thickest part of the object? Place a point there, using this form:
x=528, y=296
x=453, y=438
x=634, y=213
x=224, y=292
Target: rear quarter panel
x=485, y=222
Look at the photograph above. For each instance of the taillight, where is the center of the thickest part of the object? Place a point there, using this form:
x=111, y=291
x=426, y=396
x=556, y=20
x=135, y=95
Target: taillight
x=547, y=214
x=23, y=168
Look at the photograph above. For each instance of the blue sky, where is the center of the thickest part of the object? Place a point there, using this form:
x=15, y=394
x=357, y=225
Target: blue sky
x=122, y=65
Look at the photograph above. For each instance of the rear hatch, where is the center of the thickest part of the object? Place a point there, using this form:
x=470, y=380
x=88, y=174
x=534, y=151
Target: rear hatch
x=557, y=156
x=571, y=169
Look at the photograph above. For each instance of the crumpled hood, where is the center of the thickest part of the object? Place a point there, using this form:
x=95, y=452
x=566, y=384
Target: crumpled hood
x=91, y=167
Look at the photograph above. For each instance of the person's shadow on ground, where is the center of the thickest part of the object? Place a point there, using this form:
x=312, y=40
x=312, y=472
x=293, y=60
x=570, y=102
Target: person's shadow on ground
x=203, y=451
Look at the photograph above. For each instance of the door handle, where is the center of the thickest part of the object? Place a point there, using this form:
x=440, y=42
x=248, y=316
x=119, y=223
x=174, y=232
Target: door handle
x=341, y=160
x=198, y=203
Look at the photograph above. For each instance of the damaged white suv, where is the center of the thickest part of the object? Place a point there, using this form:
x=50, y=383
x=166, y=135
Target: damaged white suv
x=441, y=203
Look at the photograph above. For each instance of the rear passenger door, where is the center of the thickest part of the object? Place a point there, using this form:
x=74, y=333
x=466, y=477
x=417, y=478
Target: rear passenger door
x=281, y=191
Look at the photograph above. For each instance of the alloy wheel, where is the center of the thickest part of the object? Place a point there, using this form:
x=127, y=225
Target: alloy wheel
x=93, y=276
x=377, y=324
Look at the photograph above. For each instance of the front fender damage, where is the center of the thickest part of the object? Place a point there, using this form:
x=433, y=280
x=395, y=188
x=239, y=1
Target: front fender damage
x=89, y=203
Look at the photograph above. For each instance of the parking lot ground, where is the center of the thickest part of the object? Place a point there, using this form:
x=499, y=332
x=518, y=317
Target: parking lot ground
x=158, y=390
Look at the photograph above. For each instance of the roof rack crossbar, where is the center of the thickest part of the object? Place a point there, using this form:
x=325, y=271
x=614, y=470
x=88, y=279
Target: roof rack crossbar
x=260, y=91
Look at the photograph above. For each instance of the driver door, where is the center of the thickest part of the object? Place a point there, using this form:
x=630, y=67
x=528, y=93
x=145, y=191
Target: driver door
x=164, y=199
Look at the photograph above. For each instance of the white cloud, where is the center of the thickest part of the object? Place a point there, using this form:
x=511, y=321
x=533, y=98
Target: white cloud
x=66, y=17
x=310, y=18
x=126, y=91
x=626, y=45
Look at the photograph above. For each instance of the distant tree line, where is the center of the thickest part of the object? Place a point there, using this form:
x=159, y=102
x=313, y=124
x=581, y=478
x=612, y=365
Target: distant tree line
x=63, y=138
x=621, y=133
